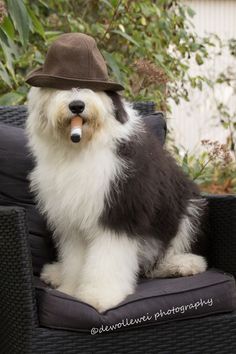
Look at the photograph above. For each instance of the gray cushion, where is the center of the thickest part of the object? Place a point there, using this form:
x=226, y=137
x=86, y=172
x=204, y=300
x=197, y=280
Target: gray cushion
x=157, y=125
x=15, y=164
x=155, y=301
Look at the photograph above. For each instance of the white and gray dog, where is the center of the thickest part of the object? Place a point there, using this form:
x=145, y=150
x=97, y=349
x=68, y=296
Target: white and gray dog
x=117, y=202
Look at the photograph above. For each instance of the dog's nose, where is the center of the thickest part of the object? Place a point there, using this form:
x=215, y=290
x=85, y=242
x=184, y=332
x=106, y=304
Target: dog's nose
x=76, y=106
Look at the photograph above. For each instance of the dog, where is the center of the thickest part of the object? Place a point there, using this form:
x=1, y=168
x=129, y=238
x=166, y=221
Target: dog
x=118, y=204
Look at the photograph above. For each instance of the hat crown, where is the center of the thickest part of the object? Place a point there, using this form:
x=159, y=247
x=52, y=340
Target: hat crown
x=75, y=55
x=73, y=60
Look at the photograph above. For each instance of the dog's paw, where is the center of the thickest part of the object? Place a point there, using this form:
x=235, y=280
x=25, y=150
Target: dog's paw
x=51, y=274
x=189, y=264
x=180, y=265
x=101, y=299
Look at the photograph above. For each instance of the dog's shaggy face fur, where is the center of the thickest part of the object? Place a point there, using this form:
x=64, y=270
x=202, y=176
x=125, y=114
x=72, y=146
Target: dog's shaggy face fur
x=118, y=204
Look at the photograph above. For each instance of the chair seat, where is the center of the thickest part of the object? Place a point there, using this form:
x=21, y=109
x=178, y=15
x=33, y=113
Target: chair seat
x=154, y=301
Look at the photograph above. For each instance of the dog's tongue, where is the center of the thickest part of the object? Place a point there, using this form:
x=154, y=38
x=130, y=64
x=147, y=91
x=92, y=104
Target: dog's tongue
x=76, y=129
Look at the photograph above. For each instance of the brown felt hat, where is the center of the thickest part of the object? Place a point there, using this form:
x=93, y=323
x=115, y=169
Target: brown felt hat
x=73, y=60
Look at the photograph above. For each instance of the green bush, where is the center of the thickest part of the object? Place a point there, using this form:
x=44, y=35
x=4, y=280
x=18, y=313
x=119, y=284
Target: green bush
x=147, y=44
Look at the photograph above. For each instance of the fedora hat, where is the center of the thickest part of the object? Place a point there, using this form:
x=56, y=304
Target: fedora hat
x=73, y=60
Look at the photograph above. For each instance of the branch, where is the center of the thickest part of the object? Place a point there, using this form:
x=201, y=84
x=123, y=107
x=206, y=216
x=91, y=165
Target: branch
x=202, y=169
x=111, y=22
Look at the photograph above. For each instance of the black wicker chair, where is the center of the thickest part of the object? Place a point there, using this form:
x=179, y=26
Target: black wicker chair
x=21, y=333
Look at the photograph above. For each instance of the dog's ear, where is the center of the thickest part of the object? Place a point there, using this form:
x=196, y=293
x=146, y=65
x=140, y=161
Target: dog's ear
x=120, y=112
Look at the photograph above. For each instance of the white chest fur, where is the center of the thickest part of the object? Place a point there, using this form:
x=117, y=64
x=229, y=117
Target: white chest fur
x=71, y=188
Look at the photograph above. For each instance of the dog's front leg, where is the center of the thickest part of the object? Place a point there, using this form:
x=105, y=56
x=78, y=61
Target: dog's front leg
x=110, y=271
x=71, y=254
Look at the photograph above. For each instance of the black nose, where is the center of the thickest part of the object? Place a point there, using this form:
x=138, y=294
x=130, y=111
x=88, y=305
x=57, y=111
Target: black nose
x=77, y=106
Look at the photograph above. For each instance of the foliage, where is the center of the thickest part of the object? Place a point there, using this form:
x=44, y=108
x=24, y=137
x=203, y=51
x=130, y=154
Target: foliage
x=147, y=44
x=214, y=169
x=227, y=111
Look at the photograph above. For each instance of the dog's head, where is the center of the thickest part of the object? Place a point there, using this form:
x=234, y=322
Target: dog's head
x=51, y=112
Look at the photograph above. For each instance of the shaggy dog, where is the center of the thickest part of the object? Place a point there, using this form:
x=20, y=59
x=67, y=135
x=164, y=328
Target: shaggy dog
x=117, y=202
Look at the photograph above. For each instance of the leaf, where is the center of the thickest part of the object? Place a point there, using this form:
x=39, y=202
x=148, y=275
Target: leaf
x=114, y=2
x=191, y=12
x=122, y=28
x=146, y=9
x=225, y=125
x=158, y=11
x=126, y=36
x=193, y=47
x=199, y=59
x=9, y=51
x=113, y=65
x=44, y=4
x=182, y=12
x=185, y=169
x=185, y=159
x=4, y=75
x=159, y=58
x=52, y=35
x=11, y=99
x=36, y=24
x=185, y=165
x=20, y=17
x=3, y=37
x=106, y=2
x=143, y=21
x=8, y=27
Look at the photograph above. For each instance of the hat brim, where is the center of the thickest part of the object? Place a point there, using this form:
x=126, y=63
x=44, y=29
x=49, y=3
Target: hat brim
x=39, y=79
